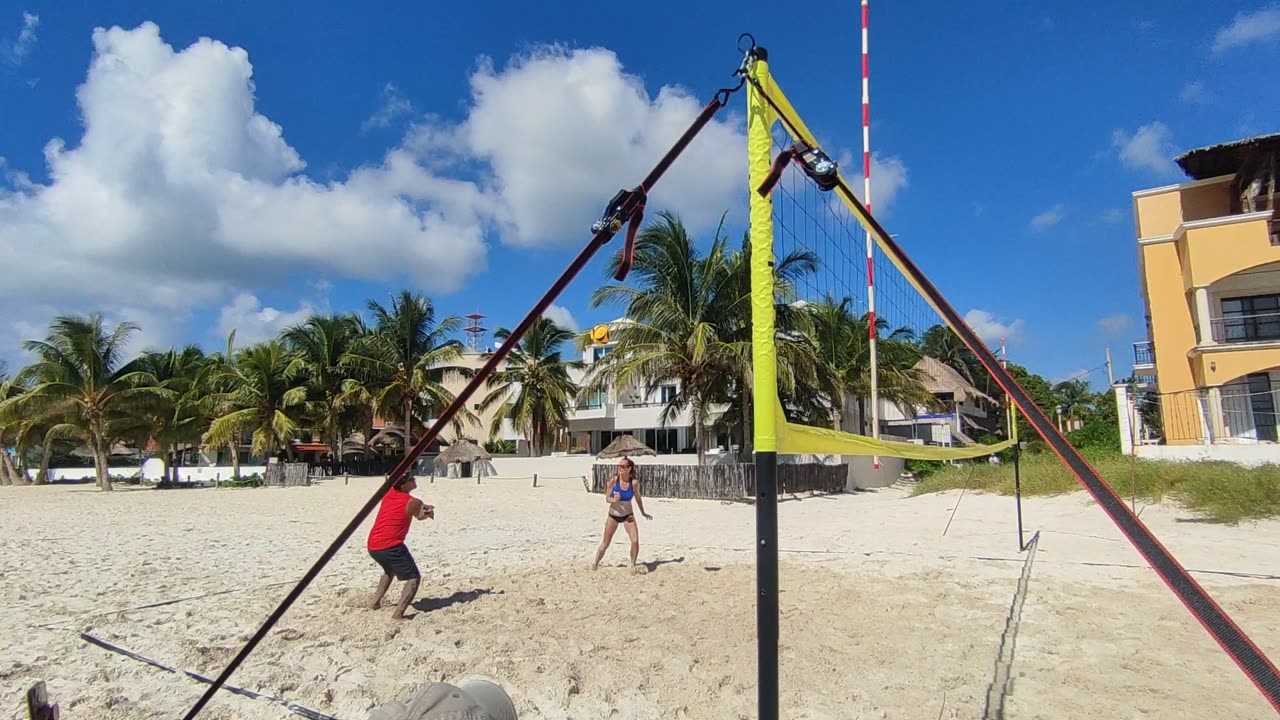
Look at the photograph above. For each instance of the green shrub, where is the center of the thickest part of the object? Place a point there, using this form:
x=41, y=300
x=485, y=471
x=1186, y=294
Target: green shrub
x=1217, y=491
x=1096, y=434
x=253, y=480
x=500, y=447
x=922, y=469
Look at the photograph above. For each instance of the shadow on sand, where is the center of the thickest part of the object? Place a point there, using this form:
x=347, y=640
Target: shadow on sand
x=458, y=598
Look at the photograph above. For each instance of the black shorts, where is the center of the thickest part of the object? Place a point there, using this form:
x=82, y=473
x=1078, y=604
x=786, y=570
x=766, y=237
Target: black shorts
x=397, y=562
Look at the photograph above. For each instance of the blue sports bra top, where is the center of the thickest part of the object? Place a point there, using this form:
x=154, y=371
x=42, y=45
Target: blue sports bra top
x=624, y=495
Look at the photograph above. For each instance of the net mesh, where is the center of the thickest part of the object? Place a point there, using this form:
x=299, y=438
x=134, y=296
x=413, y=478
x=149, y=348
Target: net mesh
x=820, y=259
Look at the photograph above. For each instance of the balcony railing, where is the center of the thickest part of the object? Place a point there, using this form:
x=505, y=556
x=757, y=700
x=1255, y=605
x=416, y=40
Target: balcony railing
x=1143, y=353
x=1260, y=327
x=1242, y=416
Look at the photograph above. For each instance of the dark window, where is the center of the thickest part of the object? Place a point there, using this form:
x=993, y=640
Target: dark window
x=1264, y=406
x=662, y=440
x=1246, y=319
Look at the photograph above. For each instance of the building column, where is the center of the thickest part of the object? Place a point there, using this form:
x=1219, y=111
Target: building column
x=1216, y=425
x=1124, y=415
x=1203, y=317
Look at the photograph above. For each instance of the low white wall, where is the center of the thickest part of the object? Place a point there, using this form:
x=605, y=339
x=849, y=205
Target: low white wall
x=1250, y=455
x=863, y=474
x=153, y=469
x=565, y=466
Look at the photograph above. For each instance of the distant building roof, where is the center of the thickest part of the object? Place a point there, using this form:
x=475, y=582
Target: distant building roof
x=942, y=378
x=1225, y=158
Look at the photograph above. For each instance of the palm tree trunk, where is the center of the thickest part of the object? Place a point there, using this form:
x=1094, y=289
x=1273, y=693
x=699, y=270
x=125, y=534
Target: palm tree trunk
x=46, y=455
x=408, y=431
x=698, y=432
x=100, y=462
x=8, y=474
x=166, y=478
x=25, y=477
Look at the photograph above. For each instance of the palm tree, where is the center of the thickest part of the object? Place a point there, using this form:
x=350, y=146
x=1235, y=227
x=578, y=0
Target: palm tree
x=179, y=421
x=262, y=391
x=213, y=379
x=399, y=368
x=8, y=426
x=81, y=376
x=1074, y=397
x=534, y=389
x=844, y=360
x=319, y=345
x=939, y=343
x=682, y=323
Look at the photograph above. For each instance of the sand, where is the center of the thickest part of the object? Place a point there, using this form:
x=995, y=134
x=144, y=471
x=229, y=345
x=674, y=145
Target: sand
x=882, y=615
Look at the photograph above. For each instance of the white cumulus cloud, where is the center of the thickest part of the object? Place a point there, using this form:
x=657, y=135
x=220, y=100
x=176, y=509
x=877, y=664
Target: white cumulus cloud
x=1194, y=93
x=179, y=190
x=1114, y=216
x=1149, y=148
x=1247, y=28
x=180, y=195
x=252, y=322
x=16, y=52
x=1048, y=218
x=888, y=178
x=562, y=130
x=561, y=316
x=394, y=105
x=990, y=328
x=1115, y=324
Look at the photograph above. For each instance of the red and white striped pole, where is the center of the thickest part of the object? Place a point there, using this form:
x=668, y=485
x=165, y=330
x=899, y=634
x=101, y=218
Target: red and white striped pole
x=866, y=200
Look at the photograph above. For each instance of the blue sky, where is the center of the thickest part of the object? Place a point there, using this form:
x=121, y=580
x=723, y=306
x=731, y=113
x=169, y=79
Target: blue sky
x=314, y=156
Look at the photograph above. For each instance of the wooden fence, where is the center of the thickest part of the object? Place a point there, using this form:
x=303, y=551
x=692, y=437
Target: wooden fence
x=725, y=482
x=286, y=475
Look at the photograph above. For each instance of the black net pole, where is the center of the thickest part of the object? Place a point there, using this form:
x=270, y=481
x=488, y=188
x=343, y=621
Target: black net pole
x=1017, y=491
x=767, y=583
x=626, y=210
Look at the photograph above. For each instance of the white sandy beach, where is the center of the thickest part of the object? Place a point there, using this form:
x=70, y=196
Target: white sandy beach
x=882, y=616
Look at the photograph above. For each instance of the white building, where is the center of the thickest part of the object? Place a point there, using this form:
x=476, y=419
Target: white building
x=965, y=411
x=600, y=417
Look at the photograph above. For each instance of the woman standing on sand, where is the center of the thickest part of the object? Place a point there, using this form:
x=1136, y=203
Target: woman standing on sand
x=621, y=490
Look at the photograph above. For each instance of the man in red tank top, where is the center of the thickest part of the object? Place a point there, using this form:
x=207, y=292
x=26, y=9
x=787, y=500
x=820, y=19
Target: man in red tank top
x=386, y=541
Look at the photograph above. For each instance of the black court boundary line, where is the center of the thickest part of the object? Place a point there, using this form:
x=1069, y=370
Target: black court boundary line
x=1238, y=646
x=293, y=707
x=983, y=558
x=1002, y=679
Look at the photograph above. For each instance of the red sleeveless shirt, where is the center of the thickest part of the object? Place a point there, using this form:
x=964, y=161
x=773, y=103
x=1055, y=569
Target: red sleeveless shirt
x=391, y=525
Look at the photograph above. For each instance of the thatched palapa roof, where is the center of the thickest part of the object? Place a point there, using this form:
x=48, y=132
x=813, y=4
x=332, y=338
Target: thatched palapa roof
x=942, y=378
x=463, y=451
x=624, y=446
x=1226, y=158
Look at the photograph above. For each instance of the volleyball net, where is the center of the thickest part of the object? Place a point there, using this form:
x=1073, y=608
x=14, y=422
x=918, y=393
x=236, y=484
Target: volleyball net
x=794, y=155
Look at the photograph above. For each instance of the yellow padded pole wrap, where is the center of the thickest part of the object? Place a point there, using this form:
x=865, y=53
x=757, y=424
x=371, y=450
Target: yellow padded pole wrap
x=764, y=368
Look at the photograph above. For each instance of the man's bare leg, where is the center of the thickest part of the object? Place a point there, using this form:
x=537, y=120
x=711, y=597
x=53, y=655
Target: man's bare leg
x=383, y=585
x=406, y=597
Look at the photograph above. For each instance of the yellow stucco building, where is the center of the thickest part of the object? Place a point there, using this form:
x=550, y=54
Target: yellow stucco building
x=1209, y=264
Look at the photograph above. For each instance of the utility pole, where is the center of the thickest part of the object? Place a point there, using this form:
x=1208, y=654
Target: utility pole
x=1111, y=378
